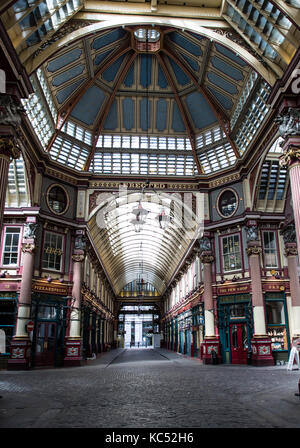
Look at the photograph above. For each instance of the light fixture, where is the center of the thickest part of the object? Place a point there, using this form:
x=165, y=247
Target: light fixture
x=138, y=221
x=163, y=219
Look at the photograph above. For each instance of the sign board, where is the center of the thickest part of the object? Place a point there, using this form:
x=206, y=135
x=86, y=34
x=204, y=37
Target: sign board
x=294, y=356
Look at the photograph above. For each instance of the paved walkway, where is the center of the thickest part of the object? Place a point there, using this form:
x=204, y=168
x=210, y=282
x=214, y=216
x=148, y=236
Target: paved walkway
x=147, y=388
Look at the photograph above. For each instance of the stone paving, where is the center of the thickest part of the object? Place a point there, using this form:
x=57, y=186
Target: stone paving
x=148, y=388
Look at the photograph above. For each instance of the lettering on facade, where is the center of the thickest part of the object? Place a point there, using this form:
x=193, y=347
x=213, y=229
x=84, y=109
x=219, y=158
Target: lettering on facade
x=234, y=289
x=42, y=287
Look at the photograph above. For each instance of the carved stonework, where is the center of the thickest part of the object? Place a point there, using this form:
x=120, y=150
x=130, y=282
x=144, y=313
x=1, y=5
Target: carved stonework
x=78, y=258
x=289, y=234
x=253, y=250
x=292, y=154
x=252, y=233
x=289, y=123
x=205, y=244
x=291, y=251
x=29, y=230
x=9, y=148
x=80, y=242
x=10, y=110
x=206, y=258
x=28, y=247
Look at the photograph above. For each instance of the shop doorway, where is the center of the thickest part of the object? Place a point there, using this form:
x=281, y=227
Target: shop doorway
x=45, y=343
x=239, y=343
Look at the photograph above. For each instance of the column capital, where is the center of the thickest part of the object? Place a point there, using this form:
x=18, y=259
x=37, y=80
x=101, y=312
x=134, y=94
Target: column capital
x=207, y=257
x=28, y=247
x=78, y=258
x=254, y=250
x=291, y=250
x=8, y=148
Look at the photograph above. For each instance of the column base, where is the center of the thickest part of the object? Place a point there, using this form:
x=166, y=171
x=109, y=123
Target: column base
x=261, y=351
x=20, y=354
x=210, y=350
x=73, y=353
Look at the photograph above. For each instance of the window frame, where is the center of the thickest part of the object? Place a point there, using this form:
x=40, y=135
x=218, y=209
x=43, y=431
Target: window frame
x=63, y=248
x=3, y=240
x=222, y=237
x=263, y=231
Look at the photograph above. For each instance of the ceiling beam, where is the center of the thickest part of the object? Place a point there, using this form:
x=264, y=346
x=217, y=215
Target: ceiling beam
x=183, y=112
x=153, y=9
x=220, y=115
x=101, y=120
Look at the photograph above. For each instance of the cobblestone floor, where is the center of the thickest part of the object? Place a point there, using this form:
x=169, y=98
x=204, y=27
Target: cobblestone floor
x=150, y=389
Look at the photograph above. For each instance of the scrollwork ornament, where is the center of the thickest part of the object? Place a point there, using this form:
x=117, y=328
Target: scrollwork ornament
x=252, y=233
x=254, y=250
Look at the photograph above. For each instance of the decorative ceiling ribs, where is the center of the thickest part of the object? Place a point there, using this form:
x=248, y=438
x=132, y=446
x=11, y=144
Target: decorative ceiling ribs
x=182, y=110
x=101, y=120
x=64, y=113
x=220, y=115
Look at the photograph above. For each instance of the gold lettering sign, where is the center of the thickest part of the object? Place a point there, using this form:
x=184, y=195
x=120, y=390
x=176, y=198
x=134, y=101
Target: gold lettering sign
x=51, y=288
x=53, y=250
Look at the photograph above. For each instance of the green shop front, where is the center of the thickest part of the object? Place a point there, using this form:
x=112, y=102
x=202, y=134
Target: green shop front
x=235, y=322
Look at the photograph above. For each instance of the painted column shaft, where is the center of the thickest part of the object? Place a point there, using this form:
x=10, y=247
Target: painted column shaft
x=25, y=291
x=295, y=292
x=76, y=294
x=208, y=301
x=257, y=296
x=295, y=189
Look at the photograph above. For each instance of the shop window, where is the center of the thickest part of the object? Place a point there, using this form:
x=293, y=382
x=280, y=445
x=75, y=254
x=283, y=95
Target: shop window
x=276, y=322
x=232, y=260
x=7, y=323
x=270, y=250
x=11, y=246
x=53, y=251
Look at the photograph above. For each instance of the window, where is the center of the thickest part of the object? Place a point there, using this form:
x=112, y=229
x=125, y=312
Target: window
x=227, y=203
x=57, y=199
x=276, y=321
x=11, y=246
x=270, y=251
x=232, y=260
x=53, y=251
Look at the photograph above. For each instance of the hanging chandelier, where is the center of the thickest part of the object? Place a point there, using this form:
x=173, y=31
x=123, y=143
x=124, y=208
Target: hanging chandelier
x=163, y=219
x=138, y=221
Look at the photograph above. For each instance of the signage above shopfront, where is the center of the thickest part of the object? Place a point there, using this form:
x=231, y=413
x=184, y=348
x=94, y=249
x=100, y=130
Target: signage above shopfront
x=53, y=287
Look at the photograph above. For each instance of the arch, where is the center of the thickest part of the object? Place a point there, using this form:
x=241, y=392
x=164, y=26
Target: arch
x=121, y=21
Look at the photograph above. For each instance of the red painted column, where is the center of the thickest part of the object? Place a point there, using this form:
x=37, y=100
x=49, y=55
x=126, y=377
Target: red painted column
x=291, y=253
x=20, y=348
x=211, y=341
x=73, y=342
x=261, y=343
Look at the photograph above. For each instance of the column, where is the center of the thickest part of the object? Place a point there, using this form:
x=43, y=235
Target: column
x=20, y=348
x=289, y=128
x=73, y=342
x=211, y=341
x=261, y=343
x=291, y=252
x=8, y=151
